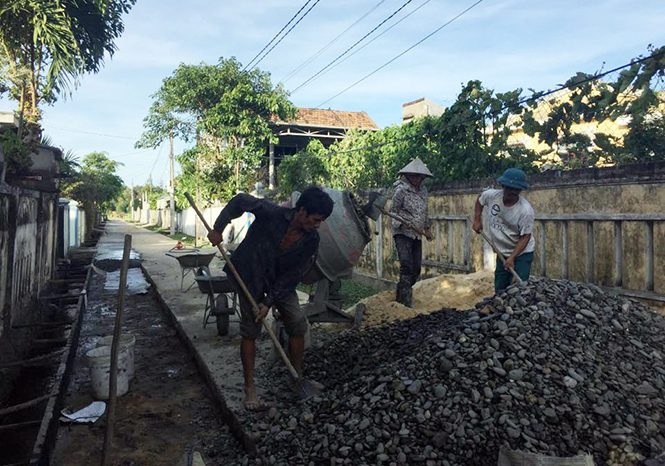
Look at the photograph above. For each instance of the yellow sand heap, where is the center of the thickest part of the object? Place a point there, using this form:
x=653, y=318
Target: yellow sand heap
x=445, y=291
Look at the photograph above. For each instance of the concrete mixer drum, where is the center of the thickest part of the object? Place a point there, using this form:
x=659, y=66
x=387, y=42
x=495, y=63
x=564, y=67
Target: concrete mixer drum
x=344, y=236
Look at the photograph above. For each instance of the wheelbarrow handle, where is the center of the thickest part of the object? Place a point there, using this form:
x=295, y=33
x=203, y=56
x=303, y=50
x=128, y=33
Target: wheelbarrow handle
x=249, y=296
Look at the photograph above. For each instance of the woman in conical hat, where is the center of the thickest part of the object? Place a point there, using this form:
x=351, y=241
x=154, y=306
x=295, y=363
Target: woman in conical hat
x=410, y=204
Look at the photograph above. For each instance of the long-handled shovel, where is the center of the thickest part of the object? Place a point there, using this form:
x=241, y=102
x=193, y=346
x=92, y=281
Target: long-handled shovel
x=503, y=259
x=305, y=389
x=377, y=203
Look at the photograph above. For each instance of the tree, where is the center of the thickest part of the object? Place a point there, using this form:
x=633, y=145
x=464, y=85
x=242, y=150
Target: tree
x=45, y=45
x=226, y=112
x=470, y=140
x=96, y=186
x=632, y=95
x=305, y=168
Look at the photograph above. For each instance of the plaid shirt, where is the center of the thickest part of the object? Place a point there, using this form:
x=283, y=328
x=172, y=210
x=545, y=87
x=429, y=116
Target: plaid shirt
x=410, y=204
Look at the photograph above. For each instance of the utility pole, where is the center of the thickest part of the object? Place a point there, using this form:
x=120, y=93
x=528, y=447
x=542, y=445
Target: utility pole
x=198, y=193
x=131, y=205
x=271, y=166
x=172, y=186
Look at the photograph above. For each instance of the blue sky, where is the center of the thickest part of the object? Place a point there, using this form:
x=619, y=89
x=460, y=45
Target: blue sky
x=504, y=43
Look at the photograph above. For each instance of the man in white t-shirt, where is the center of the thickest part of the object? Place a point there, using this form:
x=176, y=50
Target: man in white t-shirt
x=510, y=219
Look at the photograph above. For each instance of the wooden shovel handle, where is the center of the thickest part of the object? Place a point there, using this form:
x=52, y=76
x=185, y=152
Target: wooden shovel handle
x=402, y=221
x=503, y=259
x=248, y=295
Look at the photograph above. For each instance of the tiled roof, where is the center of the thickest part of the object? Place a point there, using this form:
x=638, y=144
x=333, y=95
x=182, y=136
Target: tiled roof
x=333, y=119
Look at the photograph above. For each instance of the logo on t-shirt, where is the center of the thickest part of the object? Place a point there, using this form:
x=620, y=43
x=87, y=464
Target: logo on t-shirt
x=496, y=222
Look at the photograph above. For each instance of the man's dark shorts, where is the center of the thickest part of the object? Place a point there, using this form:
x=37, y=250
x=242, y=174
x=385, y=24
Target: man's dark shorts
x=290, y=313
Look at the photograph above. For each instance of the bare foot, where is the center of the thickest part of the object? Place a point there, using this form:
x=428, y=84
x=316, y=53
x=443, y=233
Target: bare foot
x=252, y=401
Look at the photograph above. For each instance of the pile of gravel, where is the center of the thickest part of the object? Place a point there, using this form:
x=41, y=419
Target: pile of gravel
x=551, y=367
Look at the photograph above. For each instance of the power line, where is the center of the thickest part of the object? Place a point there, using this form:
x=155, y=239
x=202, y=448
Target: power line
x=159, y=152
x=277, y=35
x=374, y=38
x=350, y=48
x=533, y=98
x=401, y=54
x=325, y=47
x=131, y=153
x=286, y=33
x=89, y=132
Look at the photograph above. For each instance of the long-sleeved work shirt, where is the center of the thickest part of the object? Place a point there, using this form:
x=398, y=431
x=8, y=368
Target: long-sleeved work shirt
x=266, y=268
x=410, y=204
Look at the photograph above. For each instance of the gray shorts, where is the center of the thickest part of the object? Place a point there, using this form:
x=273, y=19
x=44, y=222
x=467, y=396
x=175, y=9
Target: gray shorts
x=290, y=313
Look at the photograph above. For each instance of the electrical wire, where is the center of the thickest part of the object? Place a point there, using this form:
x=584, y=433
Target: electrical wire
x=401, y=54
x=286, y=34
x=373, y=39
x=159, y=153
x=318, y=73
x=533, y=98
x=131, y=153
x=325, y=47
x=89, y=132
x=276, y=35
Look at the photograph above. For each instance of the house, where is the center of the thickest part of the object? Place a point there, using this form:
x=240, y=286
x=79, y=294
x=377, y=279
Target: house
x=45, y=168
x=421, y=108
x=325, y=125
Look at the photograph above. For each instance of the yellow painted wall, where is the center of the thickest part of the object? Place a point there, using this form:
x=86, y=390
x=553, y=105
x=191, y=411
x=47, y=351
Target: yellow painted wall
x=634, y=198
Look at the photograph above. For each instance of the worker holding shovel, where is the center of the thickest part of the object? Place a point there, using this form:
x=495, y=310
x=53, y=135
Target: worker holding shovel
x=409, y=204
x=281, y=244
x=510, y=219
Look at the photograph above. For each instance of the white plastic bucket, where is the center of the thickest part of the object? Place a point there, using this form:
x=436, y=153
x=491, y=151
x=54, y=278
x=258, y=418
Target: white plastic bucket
x=99, y=361
x=127, y=340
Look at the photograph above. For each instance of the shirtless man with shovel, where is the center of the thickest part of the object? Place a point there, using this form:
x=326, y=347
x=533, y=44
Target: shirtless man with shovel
x=280, y=246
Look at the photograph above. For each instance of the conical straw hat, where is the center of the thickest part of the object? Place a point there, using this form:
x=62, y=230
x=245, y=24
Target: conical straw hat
x=416, y=167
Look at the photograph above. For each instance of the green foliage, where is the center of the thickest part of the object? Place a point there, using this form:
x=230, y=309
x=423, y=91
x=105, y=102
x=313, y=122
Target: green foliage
x=46, y=45
x=226, y=112
x=17, y=153
x=469, y=140
x=305, y=168
x=156, y=193
x=96, y=186
x=631, y=95
x=472, y=139
x=646, y=140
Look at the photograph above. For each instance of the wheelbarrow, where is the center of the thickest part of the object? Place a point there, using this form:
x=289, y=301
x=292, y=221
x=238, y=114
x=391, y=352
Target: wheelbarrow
x=216, y=306
x=189, y=261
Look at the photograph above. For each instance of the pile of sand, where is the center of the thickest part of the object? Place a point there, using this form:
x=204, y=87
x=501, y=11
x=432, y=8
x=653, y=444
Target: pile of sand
x=445, y=291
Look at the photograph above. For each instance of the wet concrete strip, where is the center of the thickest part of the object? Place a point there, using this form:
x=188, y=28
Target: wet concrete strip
x=220, y=354
x=168, y=406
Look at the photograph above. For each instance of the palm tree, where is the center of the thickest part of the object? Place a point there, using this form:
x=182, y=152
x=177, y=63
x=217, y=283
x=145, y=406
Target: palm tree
x=47, y=45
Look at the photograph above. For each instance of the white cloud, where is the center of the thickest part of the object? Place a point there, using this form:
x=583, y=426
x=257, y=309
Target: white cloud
x=504, y=43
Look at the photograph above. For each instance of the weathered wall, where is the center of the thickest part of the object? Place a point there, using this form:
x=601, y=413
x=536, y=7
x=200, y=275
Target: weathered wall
x=28, y=225
x=563, y=201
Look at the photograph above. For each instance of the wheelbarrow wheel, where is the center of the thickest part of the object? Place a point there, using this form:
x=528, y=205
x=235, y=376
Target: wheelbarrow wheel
x=221, y=315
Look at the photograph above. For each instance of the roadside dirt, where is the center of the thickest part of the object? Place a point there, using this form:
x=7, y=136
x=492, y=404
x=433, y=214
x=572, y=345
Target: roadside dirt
x=168, y=407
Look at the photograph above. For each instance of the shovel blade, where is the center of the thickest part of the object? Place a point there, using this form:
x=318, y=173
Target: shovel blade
x=305, y=389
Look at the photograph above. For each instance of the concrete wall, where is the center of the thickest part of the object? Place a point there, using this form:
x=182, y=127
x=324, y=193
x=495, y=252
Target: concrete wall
x=627, y=199
x=70, y=229
x=28, y=225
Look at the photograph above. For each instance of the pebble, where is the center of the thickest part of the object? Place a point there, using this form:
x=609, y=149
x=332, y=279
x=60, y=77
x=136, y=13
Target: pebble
x=569, y=382
x=415, y=387
x=572, y=369
x=439, y=391
x=499, y=371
